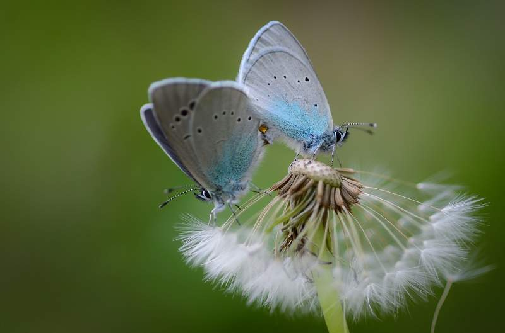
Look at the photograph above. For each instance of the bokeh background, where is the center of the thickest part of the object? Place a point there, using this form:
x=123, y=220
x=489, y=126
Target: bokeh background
x=84, y=247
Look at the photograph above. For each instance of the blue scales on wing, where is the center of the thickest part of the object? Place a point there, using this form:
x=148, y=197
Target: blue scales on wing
x=226, y=138
x=289, y=100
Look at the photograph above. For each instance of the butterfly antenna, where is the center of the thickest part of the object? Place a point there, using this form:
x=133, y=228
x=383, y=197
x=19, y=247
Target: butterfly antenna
x=359, y=126
x=176, y=196
x=175, y=188
x=374, y=125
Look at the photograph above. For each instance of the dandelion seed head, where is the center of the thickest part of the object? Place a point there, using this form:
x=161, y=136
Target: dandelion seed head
x=384, y=241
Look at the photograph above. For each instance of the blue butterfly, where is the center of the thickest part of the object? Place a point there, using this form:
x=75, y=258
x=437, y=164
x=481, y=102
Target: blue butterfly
x=209, y=132
x=286, y=94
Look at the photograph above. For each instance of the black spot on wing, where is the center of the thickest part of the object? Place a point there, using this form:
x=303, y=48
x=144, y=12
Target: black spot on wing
x=159, y=136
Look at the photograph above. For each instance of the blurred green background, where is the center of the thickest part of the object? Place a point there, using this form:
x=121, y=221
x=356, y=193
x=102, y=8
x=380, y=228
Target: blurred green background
x=84, y=247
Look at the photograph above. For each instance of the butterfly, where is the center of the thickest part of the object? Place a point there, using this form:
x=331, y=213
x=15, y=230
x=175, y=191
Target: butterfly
x=209, y=132
x=287, y=95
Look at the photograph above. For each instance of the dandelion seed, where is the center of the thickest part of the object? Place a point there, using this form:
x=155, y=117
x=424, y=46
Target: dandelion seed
x=339, y=241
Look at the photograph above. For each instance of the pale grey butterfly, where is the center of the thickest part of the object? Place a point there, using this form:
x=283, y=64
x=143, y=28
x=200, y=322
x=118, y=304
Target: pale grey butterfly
x=286, y=94
x=209, y=132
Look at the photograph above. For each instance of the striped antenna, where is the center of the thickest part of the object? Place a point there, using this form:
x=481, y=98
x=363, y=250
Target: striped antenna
x=359, y=126
x=175, y=188
x=176, y=196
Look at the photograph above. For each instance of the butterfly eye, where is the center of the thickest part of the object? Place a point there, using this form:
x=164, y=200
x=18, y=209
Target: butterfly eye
x=205, y=195
x=338, y=136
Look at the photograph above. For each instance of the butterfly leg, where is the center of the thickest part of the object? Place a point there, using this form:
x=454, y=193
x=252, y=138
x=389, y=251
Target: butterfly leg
x=334, y=148
x=296, y=156
x=233, y=212
x=212, y=218
x=335, y=144
x=259, y=190
x=333, y=156
x=314, y=155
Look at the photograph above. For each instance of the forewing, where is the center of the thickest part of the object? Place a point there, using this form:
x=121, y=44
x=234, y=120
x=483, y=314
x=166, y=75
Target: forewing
x=174, y=102
x=287, y=95
x=272, y=35
x=226, y=137
x=152, y=126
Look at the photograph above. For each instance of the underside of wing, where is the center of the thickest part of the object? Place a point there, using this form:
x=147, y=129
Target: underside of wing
x=288, y=97
x=272, y=35
x=174, y=101
x=226, y=137
x=152, y=126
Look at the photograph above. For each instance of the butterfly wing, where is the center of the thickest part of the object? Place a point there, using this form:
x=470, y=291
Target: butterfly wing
x=273, y=35
x=288, y=98
x=226, y=138
x=152, y=126
x=173, y=105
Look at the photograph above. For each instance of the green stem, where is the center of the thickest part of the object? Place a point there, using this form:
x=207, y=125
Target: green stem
x=327, y=293
x=329, y=300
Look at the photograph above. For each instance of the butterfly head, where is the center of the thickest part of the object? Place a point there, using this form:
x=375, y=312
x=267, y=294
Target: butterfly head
x=341, y=134
x=203, y=195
